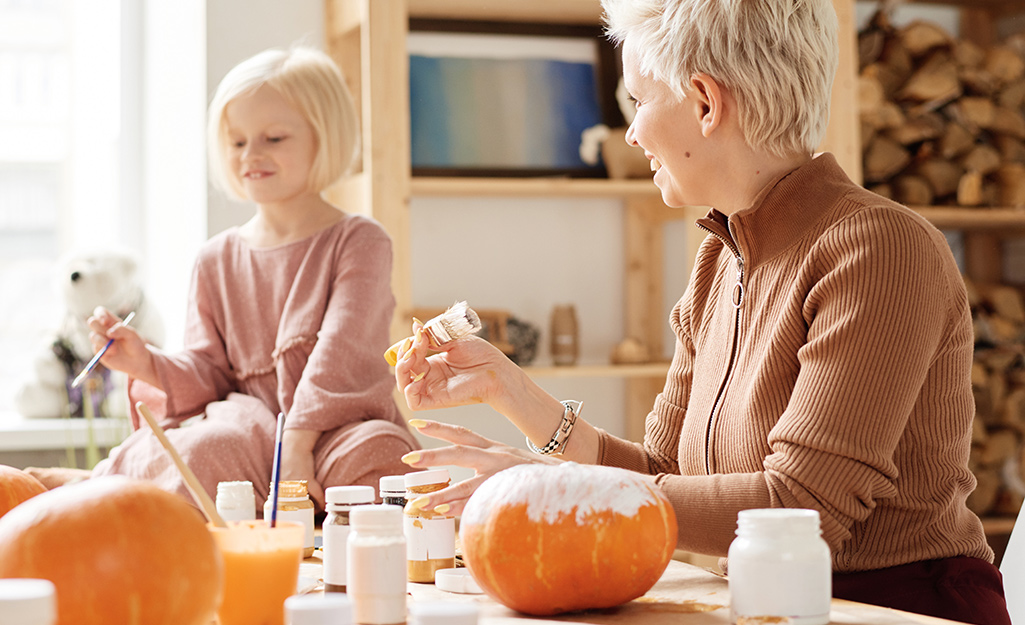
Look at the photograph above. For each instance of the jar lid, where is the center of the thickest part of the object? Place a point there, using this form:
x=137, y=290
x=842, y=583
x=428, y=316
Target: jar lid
x=292, y=489
x=350, y=494
x=785, y=520
x=27, y=602
x=330, y=608
x=443, y=613
x=457, y=580
x=393, y=483
x=378, y=516
x=423, y=478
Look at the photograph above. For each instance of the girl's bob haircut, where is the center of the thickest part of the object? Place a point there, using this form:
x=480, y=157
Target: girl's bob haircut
x=311, y=82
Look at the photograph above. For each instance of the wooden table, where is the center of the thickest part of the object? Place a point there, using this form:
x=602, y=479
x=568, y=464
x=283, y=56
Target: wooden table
x=685, y=595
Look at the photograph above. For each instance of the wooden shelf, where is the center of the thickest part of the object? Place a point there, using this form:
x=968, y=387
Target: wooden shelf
x=995, y=7
x=526, y=187
x=648, y=370
x=955, y=218
x=538, y=11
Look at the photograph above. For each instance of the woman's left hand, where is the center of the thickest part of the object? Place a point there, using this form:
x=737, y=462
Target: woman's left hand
x=297, y=461
x=470, y=450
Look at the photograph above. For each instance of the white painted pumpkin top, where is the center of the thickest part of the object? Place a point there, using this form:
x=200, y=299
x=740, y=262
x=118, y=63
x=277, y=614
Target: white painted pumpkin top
x=552, y=491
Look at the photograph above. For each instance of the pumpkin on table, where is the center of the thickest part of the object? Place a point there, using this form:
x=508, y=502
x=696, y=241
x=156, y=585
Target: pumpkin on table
x=118, y=550
x=16, y=486
x=545, y=539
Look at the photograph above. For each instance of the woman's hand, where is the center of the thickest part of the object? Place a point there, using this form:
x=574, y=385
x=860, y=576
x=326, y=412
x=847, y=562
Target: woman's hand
x=297, y=461
x=486, y=457
x=128, y=353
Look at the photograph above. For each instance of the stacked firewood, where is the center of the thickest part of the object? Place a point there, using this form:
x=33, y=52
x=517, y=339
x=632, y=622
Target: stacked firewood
x=998, y=382
x=942, y=119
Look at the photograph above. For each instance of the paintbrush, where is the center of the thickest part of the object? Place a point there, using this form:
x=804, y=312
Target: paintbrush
x=191, y=481
x=96, y=358
x=276, y=477
x=455, y=323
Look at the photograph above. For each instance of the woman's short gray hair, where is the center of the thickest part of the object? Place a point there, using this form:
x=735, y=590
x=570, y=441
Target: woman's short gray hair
x=777, y=57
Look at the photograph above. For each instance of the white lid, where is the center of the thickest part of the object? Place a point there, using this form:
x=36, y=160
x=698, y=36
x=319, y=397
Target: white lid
x=443, y=613
x=779, y=520
x=423, y=478
x=393, y=483
x=27, y=602
x=457, y=580
x=330, y=608
x=381, y=516
x=350, y=494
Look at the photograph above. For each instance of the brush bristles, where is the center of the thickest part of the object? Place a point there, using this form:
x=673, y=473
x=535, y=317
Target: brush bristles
x=455, y=323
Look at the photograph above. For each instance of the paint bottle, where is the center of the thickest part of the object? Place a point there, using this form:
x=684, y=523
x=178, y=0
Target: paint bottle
x=443, y=613
x=779, y=567
x=294, y=504
x=430, y=536
x=328, y=609
x=236, y=501
x=393, y=490
x=340, y=502
x=376, y=565
x=27, y=602
x=565, y=342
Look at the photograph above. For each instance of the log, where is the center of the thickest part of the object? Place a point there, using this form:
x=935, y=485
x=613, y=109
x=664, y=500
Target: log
x=1009, y=122
x=935, y=80
x=1006, y=331
x=980, y=375
x=1011, y=183
x=1014, y=409
x=941, y=174
x=885, y=190
x=977, y=81
x=871, y=94
x=1012, y=149
x=980, y=433
x=973, y=113
x=870, y=46
x=920, y=37
x=982, y=499
x=911, y=190
x=1004, y=64
x=917, y=129
x=889, y=115
x=1006, y=301
x=884, y=159
x=983, y=159
x=956, y=140
x=1012, y=95
x=1002, y=444
x=968, y=54
x=969, y=189
x=998, y=360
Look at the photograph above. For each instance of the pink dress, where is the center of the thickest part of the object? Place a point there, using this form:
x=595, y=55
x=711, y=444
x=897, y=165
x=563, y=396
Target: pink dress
x=299, y=328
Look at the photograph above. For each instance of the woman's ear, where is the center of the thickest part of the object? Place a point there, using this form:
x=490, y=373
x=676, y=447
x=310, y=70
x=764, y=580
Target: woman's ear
x=709, y=101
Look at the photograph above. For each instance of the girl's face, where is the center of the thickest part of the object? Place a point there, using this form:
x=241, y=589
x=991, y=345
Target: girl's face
x=667, y=128
x=271, y=147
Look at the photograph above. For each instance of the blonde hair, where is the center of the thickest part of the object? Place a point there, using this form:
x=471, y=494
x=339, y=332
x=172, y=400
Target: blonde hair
x=777, y=57
x=311, y=83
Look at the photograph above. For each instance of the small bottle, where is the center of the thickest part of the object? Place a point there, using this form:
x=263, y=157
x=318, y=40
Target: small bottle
x=340, y=502
x=328, y=609
x=236, y=501
x=443, y=613
x=393, y=490
x=294, y=504
x=28, y=602
x=430, y=537
x=377, y=565
x=564, y=335
x=779, y=567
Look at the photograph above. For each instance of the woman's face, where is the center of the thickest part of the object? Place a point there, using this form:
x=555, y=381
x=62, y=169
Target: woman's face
x=667, y=128
x=272, y=146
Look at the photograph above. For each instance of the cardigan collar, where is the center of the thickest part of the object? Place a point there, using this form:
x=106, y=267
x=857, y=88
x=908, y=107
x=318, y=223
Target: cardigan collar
x=783, y=211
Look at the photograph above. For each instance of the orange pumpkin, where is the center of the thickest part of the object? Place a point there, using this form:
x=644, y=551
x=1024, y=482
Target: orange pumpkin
x=16, y=486
x=544, y=539
x=118, y=550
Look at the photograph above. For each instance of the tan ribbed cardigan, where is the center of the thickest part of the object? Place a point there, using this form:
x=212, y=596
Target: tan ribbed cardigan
x=841, y=381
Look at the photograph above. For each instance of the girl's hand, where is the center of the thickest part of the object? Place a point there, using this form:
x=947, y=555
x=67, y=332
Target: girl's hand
x=466, y=371
x=486, y=457
x=297, y=461
x=128, y=353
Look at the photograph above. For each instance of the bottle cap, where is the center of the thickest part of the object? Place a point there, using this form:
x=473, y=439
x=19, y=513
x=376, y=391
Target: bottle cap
x=423, y=478
x=443, y=613
x=782, y=520
x=235, y=492
x=382, y=516
x=331, y=608
x=456, y=580
x=393, y=484
x=291, y=489
x=349, y=494
x=27, y=602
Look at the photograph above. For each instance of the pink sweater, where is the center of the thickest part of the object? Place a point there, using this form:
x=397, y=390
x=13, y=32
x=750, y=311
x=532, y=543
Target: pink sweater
x=841, y=382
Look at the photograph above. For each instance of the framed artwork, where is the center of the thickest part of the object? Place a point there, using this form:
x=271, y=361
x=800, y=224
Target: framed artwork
x=492, y=99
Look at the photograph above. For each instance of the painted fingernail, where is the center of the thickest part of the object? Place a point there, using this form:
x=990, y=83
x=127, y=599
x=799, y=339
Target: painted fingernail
x=417, y=322
x=420, y=503
x=412, y=457
x=417, y=423
x=443, y=508
x=419, y=376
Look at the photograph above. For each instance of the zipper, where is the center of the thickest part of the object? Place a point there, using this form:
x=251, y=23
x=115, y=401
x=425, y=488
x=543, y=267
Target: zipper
x=737, y=300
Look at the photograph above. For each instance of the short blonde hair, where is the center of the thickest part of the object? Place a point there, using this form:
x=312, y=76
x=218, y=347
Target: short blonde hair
x=777, y=57
x=311, y=82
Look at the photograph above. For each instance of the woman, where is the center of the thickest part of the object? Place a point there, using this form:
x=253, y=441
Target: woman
x=824, y=342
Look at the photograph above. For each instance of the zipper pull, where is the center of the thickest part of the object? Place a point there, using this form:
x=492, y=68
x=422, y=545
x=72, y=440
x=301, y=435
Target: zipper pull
x=738, y=288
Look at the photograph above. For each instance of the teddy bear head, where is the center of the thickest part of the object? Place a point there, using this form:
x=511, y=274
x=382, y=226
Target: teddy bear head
x=91, y=279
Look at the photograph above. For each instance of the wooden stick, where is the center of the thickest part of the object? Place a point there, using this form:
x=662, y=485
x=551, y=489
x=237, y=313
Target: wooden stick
x=191, y=481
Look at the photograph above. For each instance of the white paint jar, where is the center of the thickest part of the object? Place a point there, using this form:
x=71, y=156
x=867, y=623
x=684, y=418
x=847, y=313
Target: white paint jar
x=779, y=567
x=27, y=602
x=336, y=528
x=430, y=536
x=236, y=501
x=376, y=565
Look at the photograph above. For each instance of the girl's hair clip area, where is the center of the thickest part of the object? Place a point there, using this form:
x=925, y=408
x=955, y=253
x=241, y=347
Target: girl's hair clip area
x=455, y=323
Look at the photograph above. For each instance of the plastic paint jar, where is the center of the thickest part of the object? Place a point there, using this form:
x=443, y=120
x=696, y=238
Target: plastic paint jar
x=393, y=490
x=28, y=602
x=236, y=501
x=294, y=504
x=328, y=609
x=430, y=537
x=376, y=565
x=340, y=502
x=443, y=613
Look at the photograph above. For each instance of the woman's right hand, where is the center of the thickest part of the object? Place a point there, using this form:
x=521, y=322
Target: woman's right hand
x=128, y=353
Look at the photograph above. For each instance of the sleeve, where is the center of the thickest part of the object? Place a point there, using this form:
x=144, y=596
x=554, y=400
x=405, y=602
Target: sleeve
x=346, y=378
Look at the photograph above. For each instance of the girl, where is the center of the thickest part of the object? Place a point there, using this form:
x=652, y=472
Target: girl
x=288, y=313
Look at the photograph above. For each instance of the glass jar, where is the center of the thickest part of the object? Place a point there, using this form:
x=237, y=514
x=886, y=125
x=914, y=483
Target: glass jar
x=28, y=602
x=393, y=490
x=376, y=565
x=430, y=536
x=294, y=504
x=780, y=567
x=236, y=501
x=340, y=502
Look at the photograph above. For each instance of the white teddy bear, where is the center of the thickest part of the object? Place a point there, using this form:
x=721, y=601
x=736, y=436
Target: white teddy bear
x=87, y=280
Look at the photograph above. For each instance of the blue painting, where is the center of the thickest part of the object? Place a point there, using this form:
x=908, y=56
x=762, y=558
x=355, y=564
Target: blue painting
x=479, y=114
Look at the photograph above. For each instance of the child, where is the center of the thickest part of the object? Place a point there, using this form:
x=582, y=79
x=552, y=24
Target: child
x=288, y=312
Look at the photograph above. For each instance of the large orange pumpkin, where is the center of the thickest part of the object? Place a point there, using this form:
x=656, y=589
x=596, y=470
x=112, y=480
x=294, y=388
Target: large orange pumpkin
x=545, y=539
x=16, y=486
x=118, y=550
